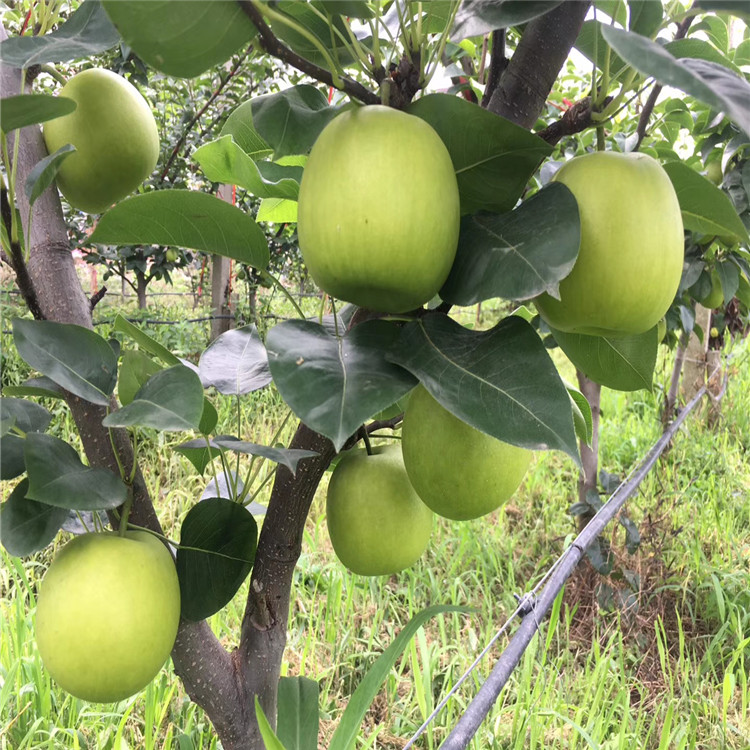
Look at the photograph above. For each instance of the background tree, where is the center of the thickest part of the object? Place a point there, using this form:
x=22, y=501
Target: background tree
x=518, y=50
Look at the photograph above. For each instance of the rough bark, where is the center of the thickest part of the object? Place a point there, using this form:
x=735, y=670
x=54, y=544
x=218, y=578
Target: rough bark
x=535, y=65
x=694, y=375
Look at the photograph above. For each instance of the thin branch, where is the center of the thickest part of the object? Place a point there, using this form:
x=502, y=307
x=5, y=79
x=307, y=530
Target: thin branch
x=97, y=298
x=273, y=46
x=648, y=107
x=17, y=262
x=222, y=85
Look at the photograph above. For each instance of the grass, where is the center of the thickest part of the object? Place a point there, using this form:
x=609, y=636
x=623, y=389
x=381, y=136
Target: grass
x=670, y=671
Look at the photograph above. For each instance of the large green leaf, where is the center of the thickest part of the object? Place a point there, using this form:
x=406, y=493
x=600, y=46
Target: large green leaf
x=12, y=463
x=645, y=16
x=270, y=740
x=362, y=698
x=31, y=109
x=217, y=550
x=277, y=211
x=58, y=477
x=184, y=218
x=39, y=386
x=500, y=381
x=623, y=364
x=74, y=357
x=590, y=43
x=737, y=7
x=291, y=120
x=171, y=400
x=223, y=160
x=298, y=713
x=288, y=457
x=182, y=38
x=235, y=363
x=494, y=159
x=333, y=384
x=87, y=32
x=27, y=526
x=144, y=341
x=708, y=82
x=517, y=255
x=700, y=49
x=240, y=126
x=477, y=17
x=705, y=208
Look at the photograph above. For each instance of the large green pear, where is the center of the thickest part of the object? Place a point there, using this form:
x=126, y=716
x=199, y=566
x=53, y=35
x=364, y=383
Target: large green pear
x=632, y=247
x=379, y=210
x=458, y=471
x=376, y=521
x=115, y=135
x=107, y=614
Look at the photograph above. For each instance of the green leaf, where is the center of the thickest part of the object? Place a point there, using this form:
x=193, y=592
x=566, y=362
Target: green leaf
x=209, y=417
x=39, y=387
x=135, y=369
x=144, y=341
x=348, y=8
x=590, y=43
x=517, y=255
x=31, y=109
x=235, y=363
x=477, y=17
x=223, y=160
x=217, y=550
x=645, y=16
x=304, y=15
x=12, y=463
x=27, y=526
x=87, y=32
x=44, y=172
x=184, y=218
x=182, y=38
x=298, y=714
x=288, y=457
x=623, y=364
x=170, y=401
x=493, y=158
x=199, y=453
x=25, y=416
x=739, y=8
x=333, y=384
x=58, y=477
x=74, y=357
x=240, y=126
x=500, y=381
x=700, y=49
x=729, y=275
x=270, y=740
x=582, y=419
x=277, y=211
x=706, y=81
x=362, y=698
x=705, y=208
x=291, y=120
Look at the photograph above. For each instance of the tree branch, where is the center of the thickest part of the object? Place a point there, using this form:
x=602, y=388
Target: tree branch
x=648, y=107
x=498, y=63
x=536, y=63
x=273, y=46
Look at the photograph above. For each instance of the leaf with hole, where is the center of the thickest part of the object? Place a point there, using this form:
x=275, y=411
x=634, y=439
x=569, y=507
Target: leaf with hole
x=217, y=550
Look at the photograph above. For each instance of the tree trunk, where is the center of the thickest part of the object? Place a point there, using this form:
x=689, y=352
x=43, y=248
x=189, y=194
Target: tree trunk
x=141, y=284
x=589, y=475
x=694, y=377
x=674, y=384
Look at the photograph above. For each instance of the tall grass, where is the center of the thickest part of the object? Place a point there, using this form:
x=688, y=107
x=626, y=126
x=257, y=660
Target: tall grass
x=669, y=672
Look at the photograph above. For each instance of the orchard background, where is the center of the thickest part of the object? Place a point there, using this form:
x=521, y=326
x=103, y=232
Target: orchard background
x=649, y=644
